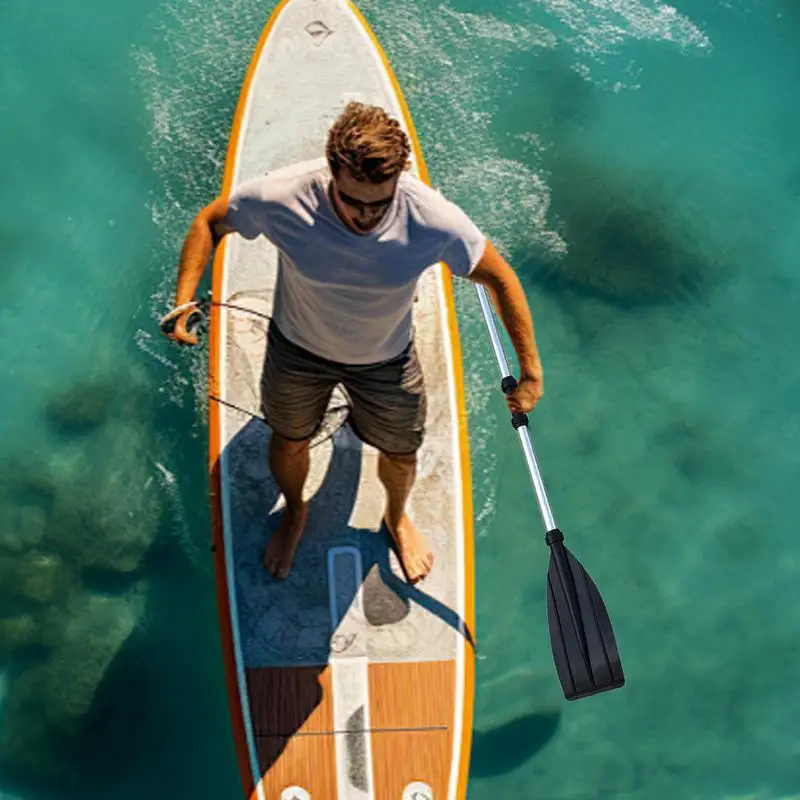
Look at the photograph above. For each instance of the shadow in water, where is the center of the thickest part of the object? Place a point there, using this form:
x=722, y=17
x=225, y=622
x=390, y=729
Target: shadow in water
x=288, y=630
x=631, y=239
x=517, y=714
x=504, y=748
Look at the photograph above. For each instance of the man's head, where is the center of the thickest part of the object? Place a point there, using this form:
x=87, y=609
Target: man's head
x=367, y=151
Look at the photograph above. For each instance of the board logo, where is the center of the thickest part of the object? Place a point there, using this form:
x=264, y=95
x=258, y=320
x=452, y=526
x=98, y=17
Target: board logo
x=318, y=31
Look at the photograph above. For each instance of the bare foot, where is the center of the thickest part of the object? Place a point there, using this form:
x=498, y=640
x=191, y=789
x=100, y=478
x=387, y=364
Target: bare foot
x=413, y=548
x=279, y=551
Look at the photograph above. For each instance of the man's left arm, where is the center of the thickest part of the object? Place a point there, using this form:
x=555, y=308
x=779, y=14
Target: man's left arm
x=496, y=274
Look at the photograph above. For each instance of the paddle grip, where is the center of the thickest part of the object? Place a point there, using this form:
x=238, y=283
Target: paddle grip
x=192, y=321
x=518, y=418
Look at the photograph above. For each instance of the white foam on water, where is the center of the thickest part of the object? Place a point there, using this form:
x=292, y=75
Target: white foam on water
x=512, y=36
x=181, y=531
x=191, y=85
x=599, y=29
x=600, y=26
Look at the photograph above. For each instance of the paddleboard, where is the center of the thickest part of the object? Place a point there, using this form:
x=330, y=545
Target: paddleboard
x=345, y=683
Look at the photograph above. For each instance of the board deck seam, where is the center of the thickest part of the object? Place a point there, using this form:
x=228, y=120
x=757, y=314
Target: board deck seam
x=421, y=729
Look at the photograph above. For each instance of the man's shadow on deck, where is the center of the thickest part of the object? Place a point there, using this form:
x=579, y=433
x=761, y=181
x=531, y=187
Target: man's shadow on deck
x=286, y=628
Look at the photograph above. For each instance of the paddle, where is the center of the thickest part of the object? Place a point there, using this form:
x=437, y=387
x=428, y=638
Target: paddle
x=584, y=648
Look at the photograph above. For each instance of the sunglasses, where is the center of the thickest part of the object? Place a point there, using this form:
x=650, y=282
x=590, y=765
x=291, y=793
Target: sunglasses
x=360, y=205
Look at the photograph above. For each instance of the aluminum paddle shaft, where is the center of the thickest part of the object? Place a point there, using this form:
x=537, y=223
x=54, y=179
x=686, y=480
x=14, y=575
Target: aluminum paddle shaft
x=520, y=420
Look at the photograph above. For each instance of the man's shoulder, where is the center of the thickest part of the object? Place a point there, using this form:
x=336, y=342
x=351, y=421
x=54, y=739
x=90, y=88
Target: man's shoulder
x=262, y=204
x=420, y=192
x=299, y=170
x=431, y=209
x=285, y=183
x=437, y=221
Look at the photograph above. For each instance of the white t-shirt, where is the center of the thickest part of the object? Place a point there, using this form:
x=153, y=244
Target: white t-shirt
x=345, y=296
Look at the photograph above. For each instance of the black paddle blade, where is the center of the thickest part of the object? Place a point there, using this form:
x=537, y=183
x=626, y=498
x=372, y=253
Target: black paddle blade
x=584, y=648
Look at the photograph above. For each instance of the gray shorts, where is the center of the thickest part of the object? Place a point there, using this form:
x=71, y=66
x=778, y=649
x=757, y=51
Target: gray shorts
x=387, y=399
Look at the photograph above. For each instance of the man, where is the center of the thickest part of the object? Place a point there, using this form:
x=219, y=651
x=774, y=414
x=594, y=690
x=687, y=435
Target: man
x=354, y=232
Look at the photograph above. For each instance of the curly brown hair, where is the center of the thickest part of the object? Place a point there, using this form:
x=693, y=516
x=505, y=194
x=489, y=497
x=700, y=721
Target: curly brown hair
x=369, y=142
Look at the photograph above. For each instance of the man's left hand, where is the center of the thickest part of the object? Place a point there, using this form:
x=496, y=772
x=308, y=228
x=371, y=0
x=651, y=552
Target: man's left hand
x=527, y=394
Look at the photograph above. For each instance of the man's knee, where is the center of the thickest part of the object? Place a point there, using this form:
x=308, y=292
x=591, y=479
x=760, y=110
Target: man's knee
x=400, y=459
x=394, y=467
x=289, y=446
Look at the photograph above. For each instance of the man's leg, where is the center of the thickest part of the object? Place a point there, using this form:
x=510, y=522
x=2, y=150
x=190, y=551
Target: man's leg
x=389, y=408
x=289, y=462
x=397, y=474
x=295, y=389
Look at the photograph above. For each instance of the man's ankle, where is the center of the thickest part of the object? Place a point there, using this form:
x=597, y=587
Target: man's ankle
x=295, y=506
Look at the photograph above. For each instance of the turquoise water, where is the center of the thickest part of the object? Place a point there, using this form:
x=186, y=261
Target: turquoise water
x=637, y=163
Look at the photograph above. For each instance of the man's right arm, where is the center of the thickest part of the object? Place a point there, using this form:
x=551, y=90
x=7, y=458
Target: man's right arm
x=205, y=232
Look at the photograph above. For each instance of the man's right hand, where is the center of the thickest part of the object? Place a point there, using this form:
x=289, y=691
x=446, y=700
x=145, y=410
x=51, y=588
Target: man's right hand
x=177, y=323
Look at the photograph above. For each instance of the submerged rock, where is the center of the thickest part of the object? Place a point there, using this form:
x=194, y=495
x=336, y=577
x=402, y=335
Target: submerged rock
x=74, y=508
x=21, y=526
x=33, y=577
x=47, y=701
x=81, y=407
x=27, y=489
x=113, y=535
x=104, y=505
x=106, y=391
x=93, y=499
x=17, y=633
